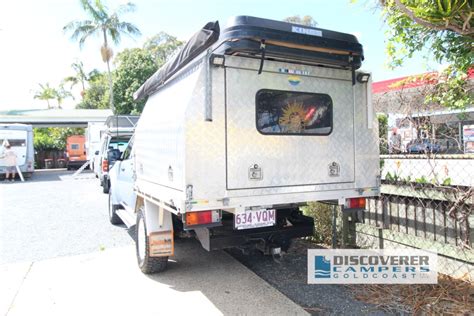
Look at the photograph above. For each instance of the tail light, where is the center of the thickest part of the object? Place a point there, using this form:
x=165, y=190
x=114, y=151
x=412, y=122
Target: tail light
x=202, y=218
x=355, y=203
x=105, y=165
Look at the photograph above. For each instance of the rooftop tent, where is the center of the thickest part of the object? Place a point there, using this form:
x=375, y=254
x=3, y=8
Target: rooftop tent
x=244, y=35
x=264, y=39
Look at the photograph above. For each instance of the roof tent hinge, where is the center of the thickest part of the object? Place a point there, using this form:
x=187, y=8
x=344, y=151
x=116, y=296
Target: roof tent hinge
x=262, y=58
x=350, y=60
x=208, y=87
x=353, y=75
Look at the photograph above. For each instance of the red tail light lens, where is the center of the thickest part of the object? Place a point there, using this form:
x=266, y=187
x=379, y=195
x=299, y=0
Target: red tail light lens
x=202, y=218
x=105, y=165
x=355, y=203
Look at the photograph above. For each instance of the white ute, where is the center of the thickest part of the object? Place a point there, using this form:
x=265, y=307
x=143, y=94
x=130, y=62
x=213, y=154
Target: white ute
x=240, y=129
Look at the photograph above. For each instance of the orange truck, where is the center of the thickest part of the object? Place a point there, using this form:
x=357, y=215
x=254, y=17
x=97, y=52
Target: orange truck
x=76, y=151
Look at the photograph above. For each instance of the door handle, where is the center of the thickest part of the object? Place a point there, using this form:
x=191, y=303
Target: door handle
x=123, y=169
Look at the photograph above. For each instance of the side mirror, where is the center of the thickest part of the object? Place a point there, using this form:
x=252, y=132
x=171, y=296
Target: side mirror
x=96, y=152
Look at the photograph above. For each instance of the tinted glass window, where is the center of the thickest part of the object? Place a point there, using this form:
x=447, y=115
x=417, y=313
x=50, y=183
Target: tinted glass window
x=74, y=146
x=14, y=142
x=128, y=151
x=293, y=113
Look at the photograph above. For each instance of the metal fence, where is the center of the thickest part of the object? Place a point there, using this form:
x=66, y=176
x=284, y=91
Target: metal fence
x=427, y=202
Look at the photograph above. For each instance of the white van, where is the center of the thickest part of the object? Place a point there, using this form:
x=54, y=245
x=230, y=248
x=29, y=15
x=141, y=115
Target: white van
x=20, y=138
x=93, y=133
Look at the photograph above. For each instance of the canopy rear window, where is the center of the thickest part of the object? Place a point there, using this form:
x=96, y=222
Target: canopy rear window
x=14, y=142
x=293, y=113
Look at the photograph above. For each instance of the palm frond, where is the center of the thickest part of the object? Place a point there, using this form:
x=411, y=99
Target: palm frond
x=96, y=14
x=128, y=28
x=114, y=35
x=85, y=32
x=79, y=28
x=73, y=80
x=125, y=8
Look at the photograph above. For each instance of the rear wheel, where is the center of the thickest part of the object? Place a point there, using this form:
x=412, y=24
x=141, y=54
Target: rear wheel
x=106, y=186
x=146, y=263
x=113, y=217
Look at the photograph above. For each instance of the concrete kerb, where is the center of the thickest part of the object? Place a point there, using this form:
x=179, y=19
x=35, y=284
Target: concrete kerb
x=109, y=282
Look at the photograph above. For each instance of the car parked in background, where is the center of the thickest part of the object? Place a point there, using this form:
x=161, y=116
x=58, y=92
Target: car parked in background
x=75, y=151
x=420, y=146
x=114, y=140
x=121, y=178
x=111, y=149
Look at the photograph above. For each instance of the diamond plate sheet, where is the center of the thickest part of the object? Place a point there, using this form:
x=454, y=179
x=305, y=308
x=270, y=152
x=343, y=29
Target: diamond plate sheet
x=286, y=160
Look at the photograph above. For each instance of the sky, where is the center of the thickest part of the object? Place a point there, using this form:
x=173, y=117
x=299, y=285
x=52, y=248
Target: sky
x=34, y=49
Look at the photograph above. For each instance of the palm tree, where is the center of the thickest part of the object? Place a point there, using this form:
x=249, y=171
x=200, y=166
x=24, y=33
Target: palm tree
x=60, y=94
x=45, y=93
x=105, y=24
x=80, y=76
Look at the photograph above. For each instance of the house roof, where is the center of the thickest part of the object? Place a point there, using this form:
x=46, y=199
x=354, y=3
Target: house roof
x=409, y=82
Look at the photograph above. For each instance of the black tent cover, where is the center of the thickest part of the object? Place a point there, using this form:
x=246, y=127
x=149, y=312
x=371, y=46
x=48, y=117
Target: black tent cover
x=200, y=41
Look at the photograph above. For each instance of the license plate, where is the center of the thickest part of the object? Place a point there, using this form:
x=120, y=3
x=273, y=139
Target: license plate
x=254, y=218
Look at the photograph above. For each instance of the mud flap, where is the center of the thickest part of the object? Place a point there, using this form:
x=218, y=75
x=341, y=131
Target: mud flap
x=159, y=226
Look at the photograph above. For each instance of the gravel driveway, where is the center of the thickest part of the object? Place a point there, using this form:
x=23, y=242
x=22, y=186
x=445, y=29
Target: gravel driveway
x=53, y=214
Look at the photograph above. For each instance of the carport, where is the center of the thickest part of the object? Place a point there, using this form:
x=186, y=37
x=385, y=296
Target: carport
x=54, y=117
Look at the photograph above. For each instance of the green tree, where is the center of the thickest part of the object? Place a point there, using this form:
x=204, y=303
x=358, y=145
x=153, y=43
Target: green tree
x=445, y=28
x=134, y=67
x=383, y=130
x=162, y=46
x=108, y=25
x=305, y=20
x=45, y=93
x=96, y=96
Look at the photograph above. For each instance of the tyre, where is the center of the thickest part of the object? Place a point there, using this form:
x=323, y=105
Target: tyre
x=113, y=217
x=146, y=263
x=106, y=186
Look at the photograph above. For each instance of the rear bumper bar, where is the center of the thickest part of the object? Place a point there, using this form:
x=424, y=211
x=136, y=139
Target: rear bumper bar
x=226, y=236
